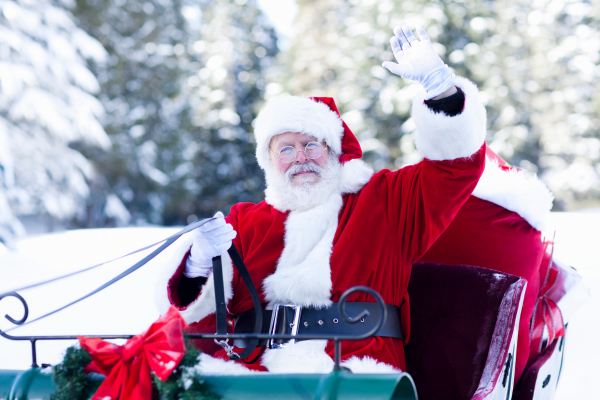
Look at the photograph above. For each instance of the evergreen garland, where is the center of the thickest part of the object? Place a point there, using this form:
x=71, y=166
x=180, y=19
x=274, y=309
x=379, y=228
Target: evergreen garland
x=72, y=383
x=68, y=376
x=174, y=388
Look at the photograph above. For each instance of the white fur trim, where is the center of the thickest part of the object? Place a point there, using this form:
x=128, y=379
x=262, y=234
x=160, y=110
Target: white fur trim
x=305, y=357
x=517, y=191
x=296, y=114
x=208, y=365
x=274, y=199
x=368, y=365
x=182, y=246
x=303, y=274
x=440, y=137
x=355, y=175
x=205, y=304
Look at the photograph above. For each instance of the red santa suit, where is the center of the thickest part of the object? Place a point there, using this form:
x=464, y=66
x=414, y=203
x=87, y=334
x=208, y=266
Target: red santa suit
x=369, y=231
x=499, y=227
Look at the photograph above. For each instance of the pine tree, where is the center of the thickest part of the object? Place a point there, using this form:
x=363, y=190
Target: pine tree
x=533, y=61
x=235, y=48
x=181, y=89
x=141, y=91
x=537, y=68
x=338, y=51
x=46, y=107
x=10, y=227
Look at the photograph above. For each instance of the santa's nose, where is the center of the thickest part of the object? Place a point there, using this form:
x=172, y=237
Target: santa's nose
x=301, y=157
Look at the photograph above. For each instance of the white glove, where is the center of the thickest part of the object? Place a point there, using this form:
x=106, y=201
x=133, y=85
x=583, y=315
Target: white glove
x=210, y=240
x=418, y=61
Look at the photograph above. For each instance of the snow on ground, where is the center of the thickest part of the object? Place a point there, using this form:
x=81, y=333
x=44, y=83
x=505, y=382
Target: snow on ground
x=128, y=306
x=578, y=244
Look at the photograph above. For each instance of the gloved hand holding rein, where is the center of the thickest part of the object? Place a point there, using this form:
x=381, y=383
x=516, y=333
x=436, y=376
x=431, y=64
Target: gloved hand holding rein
x=210, y=240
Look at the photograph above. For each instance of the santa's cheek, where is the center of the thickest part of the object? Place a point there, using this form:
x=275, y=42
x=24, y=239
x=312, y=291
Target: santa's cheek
x=283, y=167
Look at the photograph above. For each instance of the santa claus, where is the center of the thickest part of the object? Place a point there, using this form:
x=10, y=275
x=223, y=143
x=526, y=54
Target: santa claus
x=329, y=223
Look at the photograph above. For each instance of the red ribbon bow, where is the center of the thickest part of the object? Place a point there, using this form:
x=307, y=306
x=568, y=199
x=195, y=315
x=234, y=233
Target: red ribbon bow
x=127, y=368
x=546, y=312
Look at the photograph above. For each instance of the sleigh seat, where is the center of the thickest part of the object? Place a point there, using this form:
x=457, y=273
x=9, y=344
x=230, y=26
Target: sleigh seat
x=464, y=328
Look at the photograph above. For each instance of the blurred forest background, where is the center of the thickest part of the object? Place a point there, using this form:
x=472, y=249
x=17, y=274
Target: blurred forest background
x=116, y=112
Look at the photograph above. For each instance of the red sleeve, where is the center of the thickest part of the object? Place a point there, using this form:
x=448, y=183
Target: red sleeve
x=422, y=200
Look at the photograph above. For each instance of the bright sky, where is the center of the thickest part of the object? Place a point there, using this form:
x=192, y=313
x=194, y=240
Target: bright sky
x=282, y=14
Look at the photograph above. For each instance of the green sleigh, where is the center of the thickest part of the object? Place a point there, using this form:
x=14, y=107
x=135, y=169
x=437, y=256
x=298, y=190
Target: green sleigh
x=443, y=299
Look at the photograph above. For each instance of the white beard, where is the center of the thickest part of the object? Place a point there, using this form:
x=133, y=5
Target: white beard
x=285, y=196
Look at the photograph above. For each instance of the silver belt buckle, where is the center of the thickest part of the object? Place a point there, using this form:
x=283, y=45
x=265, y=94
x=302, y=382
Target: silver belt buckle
x=295, y=325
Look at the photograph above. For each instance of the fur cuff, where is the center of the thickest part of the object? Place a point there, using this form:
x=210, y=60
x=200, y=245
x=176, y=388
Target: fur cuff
x=306, y=357
x=516, y=191
x=205, y=304
x=208, y=365
x=368, y=365
x=170, y=265
x=439, y=137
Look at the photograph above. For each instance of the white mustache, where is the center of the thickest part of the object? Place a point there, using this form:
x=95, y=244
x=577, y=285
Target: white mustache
x=298, y=168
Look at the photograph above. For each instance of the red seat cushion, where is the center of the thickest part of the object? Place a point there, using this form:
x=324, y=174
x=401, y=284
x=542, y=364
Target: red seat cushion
x=453, y=315
x=487, y=235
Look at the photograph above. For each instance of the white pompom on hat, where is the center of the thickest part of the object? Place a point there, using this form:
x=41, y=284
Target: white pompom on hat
x=297, y=114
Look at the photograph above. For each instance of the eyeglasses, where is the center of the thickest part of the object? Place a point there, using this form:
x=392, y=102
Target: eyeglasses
x=288, y=153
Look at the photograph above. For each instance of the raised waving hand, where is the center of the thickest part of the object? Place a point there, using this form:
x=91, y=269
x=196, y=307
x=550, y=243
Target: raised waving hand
x=418, y=61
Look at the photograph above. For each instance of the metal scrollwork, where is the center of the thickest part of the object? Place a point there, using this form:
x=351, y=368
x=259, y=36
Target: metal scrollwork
x=364, y=313
x=25, y=307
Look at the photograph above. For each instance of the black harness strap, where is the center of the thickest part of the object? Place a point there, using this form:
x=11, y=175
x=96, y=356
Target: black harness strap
x=220, y=296
x=170, y=240
x=122, y=275
x=221, y=305
x=167, y=242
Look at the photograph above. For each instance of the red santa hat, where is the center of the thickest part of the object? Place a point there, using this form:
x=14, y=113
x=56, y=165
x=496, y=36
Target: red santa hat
x=314, y=116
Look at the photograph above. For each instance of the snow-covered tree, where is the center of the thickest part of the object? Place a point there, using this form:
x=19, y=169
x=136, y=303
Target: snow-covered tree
x=141, y=92
x=46, y=105
x=537, y=64
x=534, y=61
x=338, y=50
x=180, y=89
x=10, y=227
x=235, y=47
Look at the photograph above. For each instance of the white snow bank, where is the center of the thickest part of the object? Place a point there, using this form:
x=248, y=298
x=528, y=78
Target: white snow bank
x=127, y=307
x=577, y=244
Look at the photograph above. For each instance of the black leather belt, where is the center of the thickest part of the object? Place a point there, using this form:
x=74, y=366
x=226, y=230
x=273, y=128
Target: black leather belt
x=309, y=321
